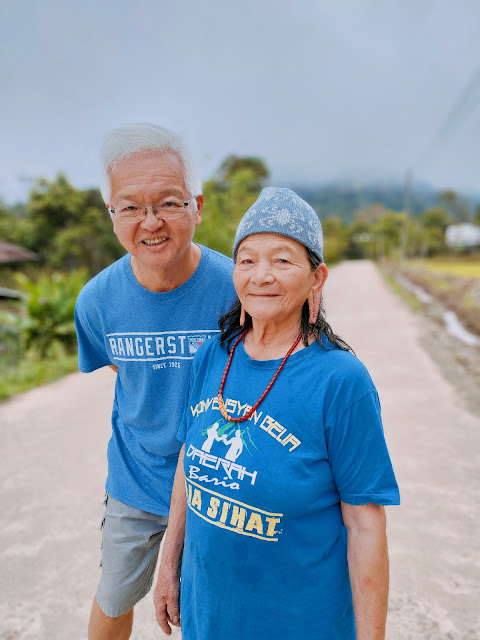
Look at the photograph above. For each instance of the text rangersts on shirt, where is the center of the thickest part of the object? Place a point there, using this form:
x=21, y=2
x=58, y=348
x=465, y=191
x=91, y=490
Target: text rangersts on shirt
x=156, y=347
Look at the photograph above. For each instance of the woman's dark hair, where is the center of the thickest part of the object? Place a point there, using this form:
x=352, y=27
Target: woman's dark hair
x=231, y=328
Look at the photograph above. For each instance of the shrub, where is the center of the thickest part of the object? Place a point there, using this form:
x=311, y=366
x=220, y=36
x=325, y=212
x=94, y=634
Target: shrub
x=45, y=322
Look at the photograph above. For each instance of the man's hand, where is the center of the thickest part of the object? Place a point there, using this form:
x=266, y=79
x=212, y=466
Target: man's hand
x=166, y=600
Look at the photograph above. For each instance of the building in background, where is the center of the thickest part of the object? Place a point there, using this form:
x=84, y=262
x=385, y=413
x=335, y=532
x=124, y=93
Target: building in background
x=462, y=236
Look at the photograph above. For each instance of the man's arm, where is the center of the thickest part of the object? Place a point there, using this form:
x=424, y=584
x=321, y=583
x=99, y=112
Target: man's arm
x=113, y=367
x=167, y=591
x=368, y=567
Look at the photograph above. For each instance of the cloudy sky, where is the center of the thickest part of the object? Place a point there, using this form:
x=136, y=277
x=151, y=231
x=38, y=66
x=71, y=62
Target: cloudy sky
x=322, y=90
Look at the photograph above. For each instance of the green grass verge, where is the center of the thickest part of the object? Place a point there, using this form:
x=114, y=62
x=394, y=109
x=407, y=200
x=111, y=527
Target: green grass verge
x=29, y=373
x=452, y=267
x=412, y=300
x=460, y=294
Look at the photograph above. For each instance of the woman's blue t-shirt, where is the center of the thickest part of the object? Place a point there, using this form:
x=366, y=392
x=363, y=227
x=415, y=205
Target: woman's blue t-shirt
x=265, y=547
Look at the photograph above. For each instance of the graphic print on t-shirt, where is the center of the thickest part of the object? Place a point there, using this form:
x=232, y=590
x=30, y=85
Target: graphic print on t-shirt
x=219, y=457
x=231, y=514
x=154, y=346
x=228, y=442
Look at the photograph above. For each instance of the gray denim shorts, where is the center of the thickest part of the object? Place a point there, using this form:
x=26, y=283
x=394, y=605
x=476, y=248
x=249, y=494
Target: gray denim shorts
x=130, y=543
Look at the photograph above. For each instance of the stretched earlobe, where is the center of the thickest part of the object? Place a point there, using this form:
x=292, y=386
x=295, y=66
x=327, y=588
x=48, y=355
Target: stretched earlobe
x=242, y=316
x=314, y=299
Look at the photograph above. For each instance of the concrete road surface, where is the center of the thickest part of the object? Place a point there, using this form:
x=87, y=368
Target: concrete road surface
x=53, y=469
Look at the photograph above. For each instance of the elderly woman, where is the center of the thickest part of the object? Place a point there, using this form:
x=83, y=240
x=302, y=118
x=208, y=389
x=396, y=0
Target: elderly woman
x=280, y=518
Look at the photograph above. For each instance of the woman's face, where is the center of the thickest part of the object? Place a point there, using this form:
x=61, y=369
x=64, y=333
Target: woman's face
x=273, y=277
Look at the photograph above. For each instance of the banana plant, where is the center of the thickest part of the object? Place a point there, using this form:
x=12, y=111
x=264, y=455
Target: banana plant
x=45, y=320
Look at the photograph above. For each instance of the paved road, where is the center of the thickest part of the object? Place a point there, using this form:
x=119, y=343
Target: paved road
x=53, y=468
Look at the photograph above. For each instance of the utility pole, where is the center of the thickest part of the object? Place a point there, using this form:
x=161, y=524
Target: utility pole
x=407, y=198
x=407, y=193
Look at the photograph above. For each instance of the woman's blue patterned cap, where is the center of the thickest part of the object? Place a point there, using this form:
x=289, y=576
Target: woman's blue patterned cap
x=282, y=211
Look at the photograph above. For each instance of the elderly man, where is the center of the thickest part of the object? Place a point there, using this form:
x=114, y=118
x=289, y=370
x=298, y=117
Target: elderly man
x=145, y=316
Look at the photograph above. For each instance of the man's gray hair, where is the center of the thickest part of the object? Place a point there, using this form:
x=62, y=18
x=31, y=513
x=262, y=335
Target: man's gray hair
x=145, y=137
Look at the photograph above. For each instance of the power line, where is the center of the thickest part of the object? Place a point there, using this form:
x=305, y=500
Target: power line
x=462, y=109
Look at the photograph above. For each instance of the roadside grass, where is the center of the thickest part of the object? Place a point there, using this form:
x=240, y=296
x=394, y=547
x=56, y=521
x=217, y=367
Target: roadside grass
x=450, y=266
x=412, y=301
x=30, y=372
x=456, y=288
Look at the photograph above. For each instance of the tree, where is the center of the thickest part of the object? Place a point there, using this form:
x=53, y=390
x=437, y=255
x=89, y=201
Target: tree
x=233, y=164
x=70, y=228
x=415, y=239
x=388, y=231
x=52, y=207
x=335, y=232
x=360, y=239
x=434, y=222
x=227, y=197
x=476, y=217
x=456, y=206
x=13, y=226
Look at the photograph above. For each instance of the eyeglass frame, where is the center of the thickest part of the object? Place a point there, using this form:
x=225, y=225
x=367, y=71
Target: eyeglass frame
x=145, y=208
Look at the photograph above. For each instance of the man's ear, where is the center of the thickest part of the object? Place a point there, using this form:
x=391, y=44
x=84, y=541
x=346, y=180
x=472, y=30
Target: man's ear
x=111, y=218
x=198, y=212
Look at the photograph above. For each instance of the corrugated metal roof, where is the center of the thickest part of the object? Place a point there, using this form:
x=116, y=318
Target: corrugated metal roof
x=12, y=253
x=9, y=294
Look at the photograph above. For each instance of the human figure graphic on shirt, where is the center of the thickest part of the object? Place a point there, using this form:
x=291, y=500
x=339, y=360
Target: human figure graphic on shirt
x=212, y=435
x=236, y=446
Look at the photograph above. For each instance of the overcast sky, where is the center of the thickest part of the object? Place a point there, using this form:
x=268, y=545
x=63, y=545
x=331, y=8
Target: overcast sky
x=343, y=89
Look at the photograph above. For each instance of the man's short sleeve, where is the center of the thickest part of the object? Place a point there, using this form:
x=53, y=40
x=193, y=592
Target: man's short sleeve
x=91, y=350
x=358, y=455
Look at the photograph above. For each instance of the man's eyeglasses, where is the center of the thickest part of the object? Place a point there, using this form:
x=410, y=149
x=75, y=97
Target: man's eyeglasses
x=167, y=209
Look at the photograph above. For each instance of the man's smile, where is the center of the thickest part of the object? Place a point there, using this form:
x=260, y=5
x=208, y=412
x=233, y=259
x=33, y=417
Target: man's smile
x=150, y=242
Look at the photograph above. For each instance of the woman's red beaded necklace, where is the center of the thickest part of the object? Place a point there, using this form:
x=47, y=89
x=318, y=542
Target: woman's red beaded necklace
x=248, y=415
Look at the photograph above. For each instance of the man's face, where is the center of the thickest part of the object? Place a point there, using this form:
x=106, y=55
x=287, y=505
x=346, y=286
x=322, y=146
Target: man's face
x=157, y=246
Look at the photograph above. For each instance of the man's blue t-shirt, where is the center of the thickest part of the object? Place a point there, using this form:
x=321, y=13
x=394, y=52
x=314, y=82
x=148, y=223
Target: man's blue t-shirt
x=265, y=551
x=151, y=338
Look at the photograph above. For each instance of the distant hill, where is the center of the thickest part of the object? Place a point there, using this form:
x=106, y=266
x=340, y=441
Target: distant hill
x=344, y=199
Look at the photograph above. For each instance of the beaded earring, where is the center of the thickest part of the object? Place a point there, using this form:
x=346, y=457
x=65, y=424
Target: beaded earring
x=314, y=306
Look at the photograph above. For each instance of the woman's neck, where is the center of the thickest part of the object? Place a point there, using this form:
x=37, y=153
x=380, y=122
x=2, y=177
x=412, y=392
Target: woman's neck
x=265, y=341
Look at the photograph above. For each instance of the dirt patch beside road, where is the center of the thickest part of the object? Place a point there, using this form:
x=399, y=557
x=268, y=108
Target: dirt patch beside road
x=458, y=362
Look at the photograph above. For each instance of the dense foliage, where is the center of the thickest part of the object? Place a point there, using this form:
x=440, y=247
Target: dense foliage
x=44, y=319
x=66, y=227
